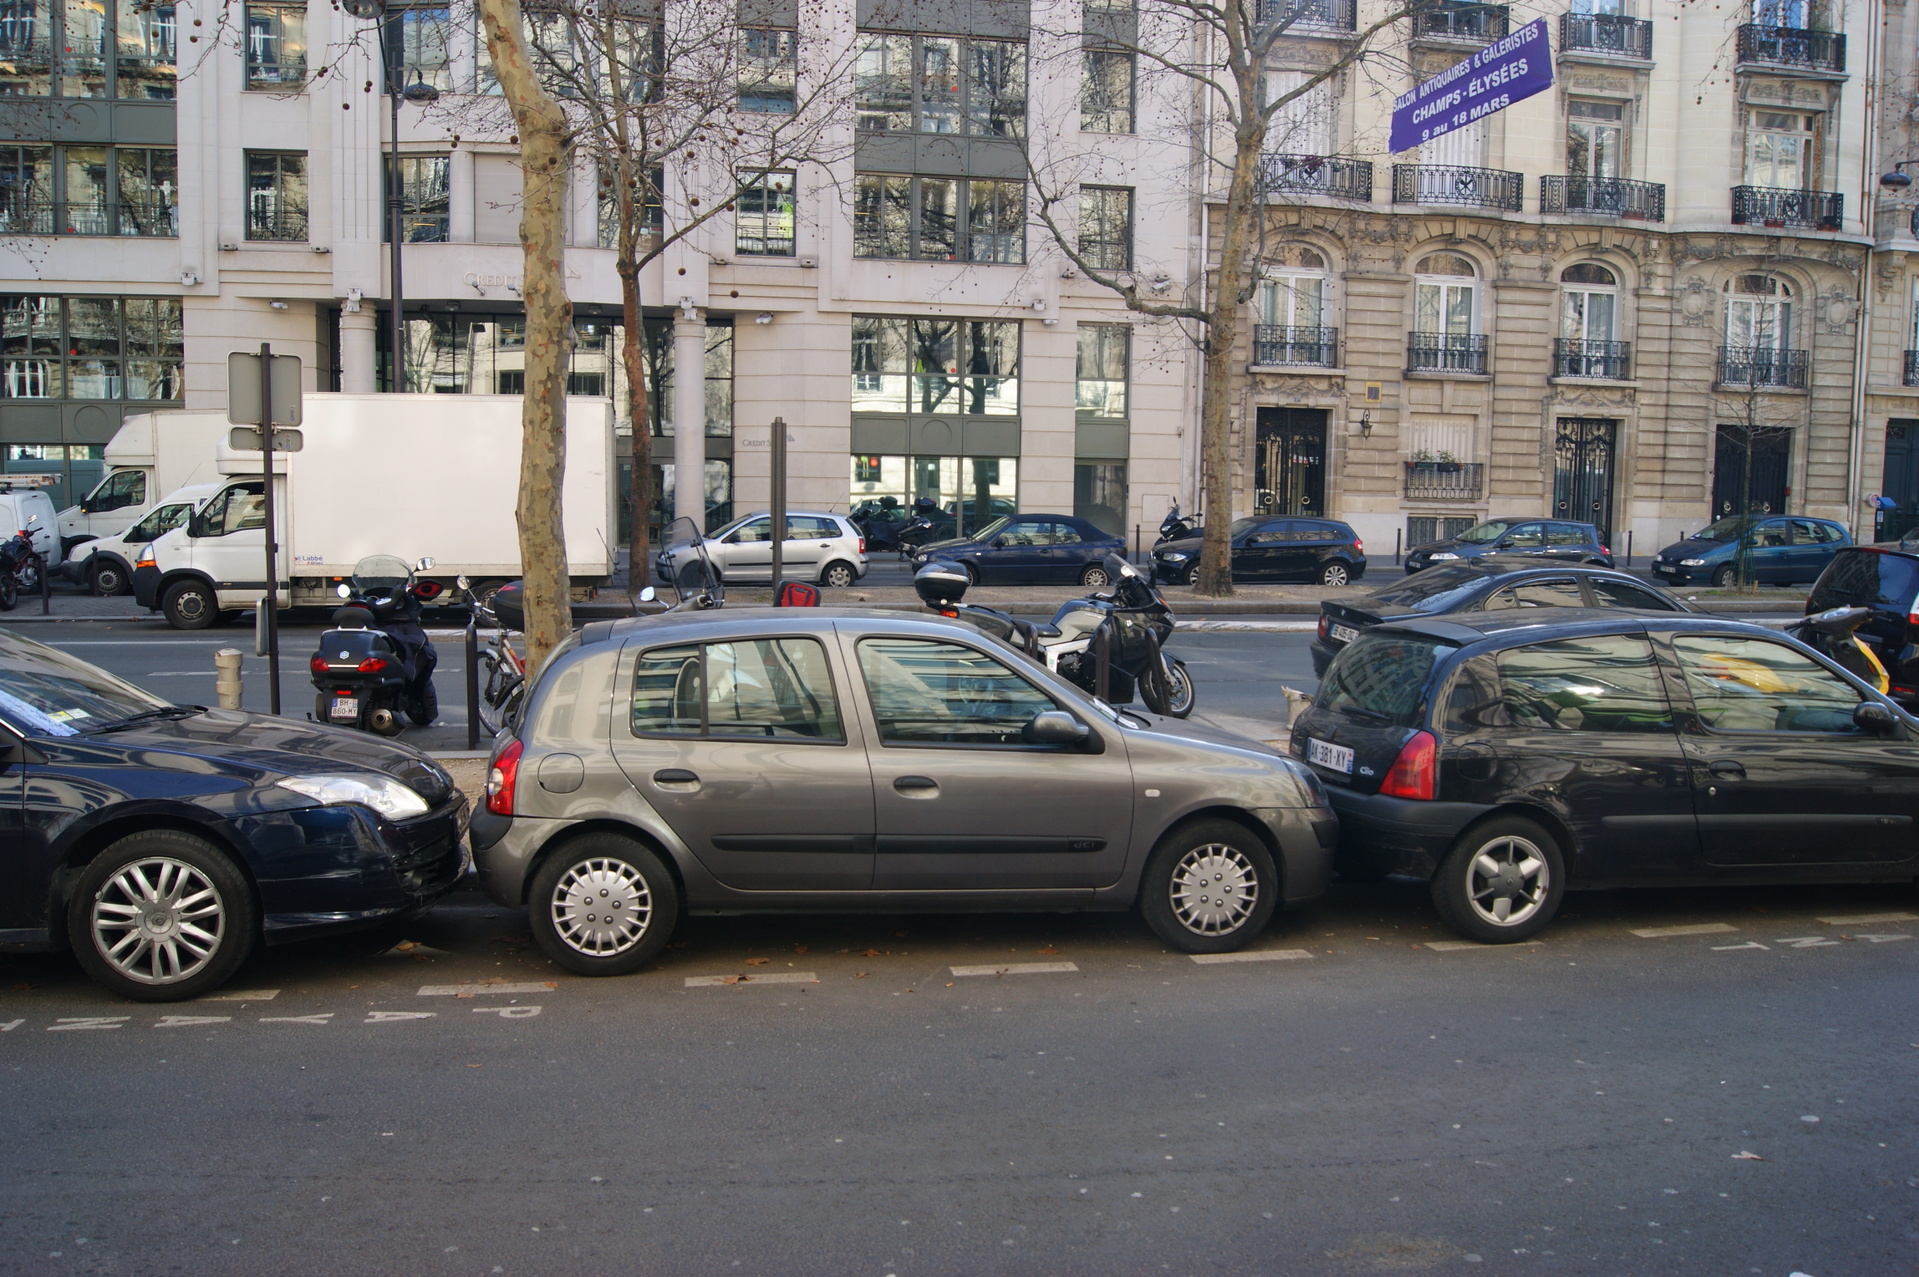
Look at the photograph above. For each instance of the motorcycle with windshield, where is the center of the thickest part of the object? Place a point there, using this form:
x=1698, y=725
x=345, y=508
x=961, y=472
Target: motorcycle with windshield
x=20, y=565
x=1131, y=624
x=376, y=664
x=1174, y=528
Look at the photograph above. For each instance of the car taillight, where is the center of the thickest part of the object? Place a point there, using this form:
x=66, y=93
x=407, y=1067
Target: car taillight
x=318, y=664
x=1325, y=624
x=1605, y=549
x=1912, y=617
x=1359, y=546
x=372, y=665
x=500, y=778
x=862, y=545
x=1414, y=773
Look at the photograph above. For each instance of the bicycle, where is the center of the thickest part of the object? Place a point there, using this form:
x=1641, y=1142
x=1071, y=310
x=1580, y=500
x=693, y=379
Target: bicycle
x=502, y=675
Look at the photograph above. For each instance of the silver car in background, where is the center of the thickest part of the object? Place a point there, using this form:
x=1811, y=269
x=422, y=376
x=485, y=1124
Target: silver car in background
x=819, y=547
x=836, y=760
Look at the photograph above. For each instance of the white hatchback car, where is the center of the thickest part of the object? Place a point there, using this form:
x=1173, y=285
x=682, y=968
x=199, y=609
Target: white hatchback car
x=820, y=547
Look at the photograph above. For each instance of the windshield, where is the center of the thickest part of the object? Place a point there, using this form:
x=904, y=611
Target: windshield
x=1382, y=677
x=1491, y=530
x=44, y=692
x=1242, y=526
x=165, y=519
x=990, y=530
x=684, y=532
x=1434, y=590
x=1727, y=529
x=380, y=572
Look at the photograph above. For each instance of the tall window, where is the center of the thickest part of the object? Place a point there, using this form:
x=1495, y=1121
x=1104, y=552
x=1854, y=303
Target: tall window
x=935, y=366
x=1462, y=148
x=277, y=195
x=1106, y=91
x=1106, y=226
x=940, y=84
x=276, y=45
x=769, y=70
x=424, y=199
x=1101, y=370
x=26, y=190
x=651, y=211
x=763, y=216
x=1589, y=300
x=87, y=49
x=939, y=218
x=1305, y=124
x=90, y=348
x=1595, y=139
x=1446, y=296
x=1759, y=313
x=1293, y=293
x=423, y=51
x=1779, y=150
x=89, y=190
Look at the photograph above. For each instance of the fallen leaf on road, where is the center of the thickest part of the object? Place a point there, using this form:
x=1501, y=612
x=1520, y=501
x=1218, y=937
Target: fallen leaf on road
x=799, y=948
x=857, y=975
x=405, y=945
x=1747, y=1156
x=1048, y=949
x=757, y=962
x=735, y=979
x=473, y=1066
x=869, y=953
x=22, y=988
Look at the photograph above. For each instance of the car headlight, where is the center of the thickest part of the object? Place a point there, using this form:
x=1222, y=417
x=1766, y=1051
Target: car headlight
x=1443, y=554
x=1692, y=563
x=1175, y=556
x=382, y=793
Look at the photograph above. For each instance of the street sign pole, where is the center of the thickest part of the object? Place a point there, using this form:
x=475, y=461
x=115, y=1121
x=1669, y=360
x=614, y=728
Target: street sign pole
x=778, y=494
x=272, y=600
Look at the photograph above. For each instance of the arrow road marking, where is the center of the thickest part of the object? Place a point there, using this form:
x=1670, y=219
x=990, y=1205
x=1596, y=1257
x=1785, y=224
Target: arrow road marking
x=468, y=990
x=1255, y=955
x=1867, y=919
x=190, y=1021
x=11, y=1025
x=1696, y=929
x=321, y=1018
x=1750, y=944
x=779, y=977
x=89, y=1022
x=388, y=1017
x=241, y=995
x=1017, y=968
x=508, y=1013
x=1880, y=939
x=1461, y=946
x=1805, y=942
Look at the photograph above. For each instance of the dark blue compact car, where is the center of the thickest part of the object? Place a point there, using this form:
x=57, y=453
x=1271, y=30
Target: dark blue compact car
x=1273, y=549
x=162, y=842
x=1784, y=550
x=1554, y=539
x=1030, y=549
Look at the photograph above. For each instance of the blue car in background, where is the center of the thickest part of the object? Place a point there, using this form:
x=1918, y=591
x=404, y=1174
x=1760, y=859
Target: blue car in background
x=1785, y=549
x=1029, y=549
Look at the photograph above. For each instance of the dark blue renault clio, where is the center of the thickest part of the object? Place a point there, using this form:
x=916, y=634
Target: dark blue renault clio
x=162, y=843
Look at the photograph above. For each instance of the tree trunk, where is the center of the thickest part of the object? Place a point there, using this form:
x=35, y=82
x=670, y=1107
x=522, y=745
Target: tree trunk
x=639, y=411
x=545, y=158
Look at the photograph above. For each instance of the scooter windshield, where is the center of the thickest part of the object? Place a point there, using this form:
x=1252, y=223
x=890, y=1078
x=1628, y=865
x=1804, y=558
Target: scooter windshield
x=380, y=572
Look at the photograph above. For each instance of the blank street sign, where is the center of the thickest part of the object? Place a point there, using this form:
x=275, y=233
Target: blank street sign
x=243, y=390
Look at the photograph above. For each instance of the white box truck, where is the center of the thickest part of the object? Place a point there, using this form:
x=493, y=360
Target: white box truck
x=152, y=454
x=415, y=476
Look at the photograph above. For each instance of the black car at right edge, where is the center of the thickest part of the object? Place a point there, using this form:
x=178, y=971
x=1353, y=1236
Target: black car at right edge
x=1506, y=759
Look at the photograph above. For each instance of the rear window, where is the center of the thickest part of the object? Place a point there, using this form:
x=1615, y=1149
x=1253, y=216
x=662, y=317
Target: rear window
x=1382, y=677
x=1434, y=590
x=1865, y=578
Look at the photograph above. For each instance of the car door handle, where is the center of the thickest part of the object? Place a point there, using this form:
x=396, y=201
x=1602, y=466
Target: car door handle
x=675, y=776
x=1727, y=768
x=915, y=784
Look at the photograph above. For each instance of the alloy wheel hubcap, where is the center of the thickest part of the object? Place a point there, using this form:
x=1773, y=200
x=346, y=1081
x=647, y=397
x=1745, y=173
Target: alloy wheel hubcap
x=602, y=907
x=1508, y=881
x=1214, y=889
x=158, y=921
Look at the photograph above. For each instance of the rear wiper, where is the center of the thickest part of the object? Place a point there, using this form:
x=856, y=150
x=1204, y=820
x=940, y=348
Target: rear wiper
x=166, y=712
x=1356, y=711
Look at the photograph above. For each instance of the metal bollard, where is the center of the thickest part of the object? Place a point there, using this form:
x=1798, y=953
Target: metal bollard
x=472, y=684
x=46, y=588
x=226, y=676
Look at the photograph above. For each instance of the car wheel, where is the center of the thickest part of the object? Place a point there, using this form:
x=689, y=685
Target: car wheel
x=162, y=915
x=1501, y=882
x=189, y=605
x=1096, y=577
x=838, y=575
x=108, y=580
x=1335, y=573
x=602, y=905
x=1722, y=577
x=1209, y=887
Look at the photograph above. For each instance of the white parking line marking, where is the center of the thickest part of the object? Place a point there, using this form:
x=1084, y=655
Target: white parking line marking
x=1881, y=939
x=388, y=1017
x=777, y=977
x=508, y=1013
x=1460, y=946
x=1252, y=955
x=89, y=1022
x=11, y=1025
x=1695, y=929
x=1867, y=919
x=1805, y=942
x=190, y=1021
x=468, y=990
x=1750, y=944
x=321, y=1018
x=241, y=995
x=1017, y=968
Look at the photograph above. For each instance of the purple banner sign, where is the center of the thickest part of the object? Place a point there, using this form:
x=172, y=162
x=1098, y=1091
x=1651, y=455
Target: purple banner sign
x=1504, y=72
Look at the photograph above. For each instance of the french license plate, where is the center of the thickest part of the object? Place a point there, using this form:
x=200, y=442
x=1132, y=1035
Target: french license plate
x=1343, y=633
x=1327, y=754
x=1667, y=568
x=344, y=707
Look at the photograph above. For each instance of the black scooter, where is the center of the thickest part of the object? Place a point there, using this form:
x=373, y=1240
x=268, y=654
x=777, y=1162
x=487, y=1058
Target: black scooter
x=376, y=663
x=1174, y=528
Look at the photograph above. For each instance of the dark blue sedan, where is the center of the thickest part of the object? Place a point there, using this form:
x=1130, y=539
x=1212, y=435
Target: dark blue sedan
x=1030, y=549
x=163, y=842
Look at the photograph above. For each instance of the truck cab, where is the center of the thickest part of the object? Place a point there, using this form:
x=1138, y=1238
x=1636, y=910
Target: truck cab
x=214, y=564
x=115, y=503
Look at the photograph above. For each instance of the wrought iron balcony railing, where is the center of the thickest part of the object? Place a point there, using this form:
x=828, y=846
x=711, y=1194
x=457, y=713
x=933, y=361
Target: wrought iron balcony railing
x=150, y=219
x=1445, y=352
x=1579, y=357
x=1479, y=22
x=1603, y=196
x=1318, y=175
x=1912, y=369
x=1286, y=346
x=1311, y=15
x=1762, y=366
x=1781, y=206
x=1448, y=184
x=1795, y=47
x=288, y=224
x=1607, y=33
x=1445, y=480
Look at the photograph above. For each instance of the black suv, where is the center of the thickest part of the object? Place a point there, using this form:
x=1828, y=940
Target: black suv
x=1273, y=549
x=1537, y=538
x=1884, y=578
x=1506, y=759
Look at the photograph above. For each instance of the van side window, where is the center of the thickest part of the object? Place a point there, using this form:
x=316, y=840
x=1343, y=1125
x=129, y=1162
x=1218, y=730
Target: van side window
x=238, y=508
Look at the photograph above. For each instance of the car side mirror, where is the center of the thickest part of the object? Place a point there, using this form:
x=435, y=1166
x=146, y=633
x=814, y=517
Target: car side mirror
x=424, y=565
x=1871, y=716
x=196, y=525
x=1056, y=727
x=464, y=581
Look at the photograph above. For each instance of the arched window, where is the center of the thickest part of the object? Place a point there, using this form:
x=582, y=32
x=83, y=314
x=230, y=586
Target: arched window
x=1446, y=316
x=1293, y=309
x=1588, y=323
x=1759, y=312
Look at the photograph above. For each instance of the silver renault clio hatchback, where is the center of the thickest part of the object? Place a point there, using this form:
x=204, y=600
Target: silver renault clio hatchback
x=838, y=760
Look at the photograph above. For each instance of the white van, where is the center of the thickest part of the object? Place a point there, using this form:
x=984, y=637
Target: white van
x=18, y=505
x=106, y=563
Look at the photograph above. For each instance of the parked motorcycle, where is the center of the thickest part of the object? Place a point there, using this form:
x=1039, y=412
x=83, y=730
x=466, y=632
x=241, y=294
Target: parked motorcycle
x=1173, y=527
x=20, y=566
x=1134, y=617
x=376, y=663
x=879, y=521
x=1835, y=634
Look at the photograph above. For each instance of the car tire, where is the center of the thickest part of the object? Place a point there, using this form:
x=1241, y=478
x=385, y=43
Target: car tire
x=1096, y=577
x=162, y=915
x=108, y=580
x=1502, y=881
x=1722, y=577
x=190, y=605
x=838, y=576
x=1335, y=574
x=634, y=883
x=1194, y=893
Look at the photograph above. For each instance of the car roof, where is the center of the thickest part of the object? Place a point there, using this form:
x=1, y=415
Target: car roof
x=718, y=624
x=791, y=514
x=1884, y=547
x=1532, y=625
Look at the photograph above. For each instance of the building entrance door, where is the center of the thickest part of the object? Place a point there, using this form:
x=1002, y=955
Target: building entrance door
x=1900, y=482
x=1582, y=472
x=1290, y=464
x=1771, y=450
